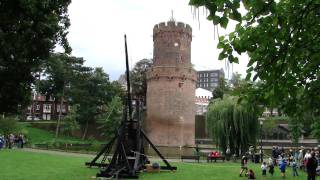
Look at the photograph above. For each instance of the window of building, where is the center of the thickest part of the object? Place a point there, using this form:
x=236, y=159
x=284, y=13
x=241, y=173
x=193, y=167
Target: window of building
x=38, y=107
x=63, y=108
x=213, y=84
x=214, y=74
x=47, y=108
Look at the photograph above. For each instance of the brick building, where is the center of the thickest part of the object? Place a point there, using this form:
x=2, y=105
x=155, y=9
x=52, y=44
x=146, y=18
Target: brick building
x=171, y=83
x=209, y=79
x=42, y=108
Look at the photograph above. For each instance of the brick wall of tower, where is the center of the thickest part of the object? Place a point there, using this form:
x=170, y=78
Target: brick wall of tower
x=171, y=87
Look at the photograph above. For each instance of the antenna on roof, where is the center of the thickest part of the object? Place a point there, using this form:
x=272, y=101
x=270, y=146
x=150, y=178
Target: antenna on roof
x=172, y=18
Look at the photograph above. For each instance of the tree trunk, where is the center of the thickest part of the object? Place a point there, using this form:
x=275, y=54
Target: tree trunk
x=60, y=114
x=85, y=131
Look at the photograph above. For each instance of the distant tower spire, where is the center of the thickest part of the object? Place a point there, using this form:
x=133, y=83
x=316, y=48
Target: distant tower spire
x=172, y=18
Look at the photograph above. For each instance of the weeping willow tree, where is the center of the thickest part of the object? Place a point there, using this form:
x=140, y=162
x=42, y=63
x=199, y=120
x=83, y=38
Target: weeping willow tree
x=232, y=124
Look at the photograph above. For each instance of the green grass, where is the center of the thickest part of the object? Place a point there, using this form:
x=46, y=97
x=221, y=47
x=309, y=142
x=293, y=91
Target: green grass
x=38, y=136
x=218, y=171
x=16, y=165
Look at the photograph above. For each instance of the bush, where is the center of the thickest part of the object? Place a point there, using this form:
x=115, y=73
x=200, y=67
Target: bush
x=10, y=125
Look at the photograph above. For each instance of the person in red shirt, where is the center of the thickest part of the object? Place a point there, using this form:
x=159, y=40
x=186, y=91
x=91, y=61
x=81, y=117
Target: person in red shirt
x=217, y=154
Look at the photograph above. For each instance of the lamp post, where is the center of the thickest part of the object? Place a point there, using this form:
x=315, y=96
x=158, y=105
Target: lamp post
x=261, y=152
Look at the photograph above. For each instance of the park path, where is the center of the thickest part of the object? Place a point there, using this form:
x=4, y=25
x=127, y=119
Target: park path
x=58, y=152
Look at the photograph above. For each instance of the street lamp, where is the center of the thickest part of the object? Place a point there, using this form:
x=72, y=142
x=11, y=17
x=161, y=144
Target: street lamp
x=261, y=152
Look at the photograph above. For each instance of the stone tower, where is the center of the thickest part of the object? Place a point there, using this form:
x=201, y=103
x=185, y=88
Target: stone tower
x=171, y=83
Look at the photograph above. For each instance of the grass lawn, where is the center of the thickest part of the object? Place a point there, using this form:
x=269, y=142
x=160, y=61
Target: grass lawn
x=38, y=136
x=18, y=165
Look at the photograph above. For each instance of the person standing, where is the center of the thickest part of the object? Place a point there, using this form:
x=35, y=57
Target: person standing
x=282, y=167
x=311, y=166
x=271, y=168
x=251, y=153
x=228, y=153
x=11, y=141
x=23, y=140
x=244, y=165
x=300, y=159
x=264, y=168
x=19, y=139
x=294, y=168
x=1, y=142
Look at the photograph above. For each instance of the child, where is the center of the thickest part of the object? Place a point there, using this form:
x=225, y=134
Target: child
x=264, y=169
x=251, y=174
x=294, y=168
x=271, y=168
x=244, y=162
x=282, y=167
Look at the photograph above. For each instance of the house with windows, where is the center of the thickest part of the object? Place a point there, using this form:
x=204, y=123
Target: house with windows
x=209, y=79
x=45, y=108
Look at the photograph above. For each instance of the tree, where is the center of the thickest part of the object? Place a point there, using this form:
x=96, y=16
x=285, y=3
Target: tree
x=295, y=127
x=235, y=80
x=9, y=125
x=111, y=118
x=29, y=31
x=316, y=129
x=222, y=89
x=139, y=78
x=232, y=124
x=98, y=92
x=282, y=40
x=70, y=123
x=60, y=71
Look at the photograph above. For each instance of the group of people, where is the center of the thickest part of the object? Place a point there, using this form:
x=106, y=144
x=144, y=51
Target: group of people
x=304, y=159
x=12, y=141
x=308, y=160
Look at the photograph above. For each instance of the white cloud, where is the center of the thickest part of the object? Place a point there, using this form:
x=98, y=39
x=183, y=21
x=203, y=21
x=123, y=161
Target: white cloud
x=98, y=26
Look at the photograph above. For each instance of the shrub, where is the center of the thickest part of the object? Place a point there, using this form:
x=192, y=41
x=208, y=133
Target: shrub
x=10, y=125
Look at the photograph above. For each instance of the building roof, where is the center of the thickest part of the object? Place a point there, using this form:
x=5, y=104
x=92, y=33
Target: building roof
x=200, y=92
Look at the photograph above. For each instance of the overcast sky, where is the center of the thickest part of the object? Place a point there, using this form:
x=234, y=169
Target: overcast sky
x=98, y=26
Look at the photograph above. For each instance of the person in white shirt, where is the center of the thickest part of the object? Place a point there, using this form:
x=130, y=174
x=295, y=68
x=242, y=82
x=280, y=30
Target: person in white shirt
x=264, y=168
x=307, y=155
